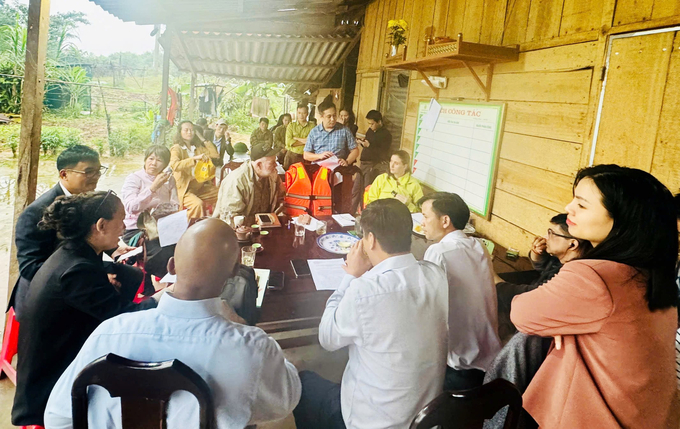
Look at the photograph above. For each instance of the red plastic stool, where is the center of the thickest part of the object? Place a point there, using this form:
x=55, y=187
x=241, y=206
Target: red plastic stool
x=9, y=347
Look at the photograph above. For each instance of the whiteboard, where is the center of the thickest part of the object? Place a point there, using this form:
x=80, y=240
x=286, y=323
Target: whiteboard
x=460, y=154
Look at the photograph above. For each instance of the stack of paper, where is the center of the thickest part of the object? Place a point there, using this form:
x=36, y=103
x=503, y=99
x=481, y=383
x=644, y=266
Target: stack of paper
x=344, y=220
x=262, y=277
x=327, y=273
x=171, y=228
x=330, y=163
x=136, y=251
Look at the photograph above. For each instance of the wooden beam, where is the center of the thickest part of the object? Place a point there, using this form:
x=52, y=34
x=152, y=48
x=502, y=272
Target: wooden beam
x=259, y=79
x=489, y=78
x=199, y=60
x=477, y=79
x=429, y=83
x=344, y=56
x=221, y=37
x=31, y=117
x=192, y=97
x=167, y=47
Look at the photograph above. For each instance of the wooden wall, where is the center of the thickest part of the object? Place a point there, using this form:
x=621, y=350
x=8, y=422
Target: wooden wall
x=552, y=92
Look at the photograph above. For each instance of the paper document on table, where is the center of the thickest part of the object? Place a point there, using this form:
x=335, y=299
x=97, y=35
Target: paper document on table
x=430, y=119
x=171, y=228
x=330, y=163
x=313, y=225
x=327, y=273
x=262, y=276
x=168, y=278
x=344, y=219
x=131, y=253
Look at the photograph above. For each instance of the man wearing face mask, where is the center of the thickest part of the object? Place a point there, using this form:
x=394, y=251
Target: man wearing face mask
x=252, y=188
x=250, y=379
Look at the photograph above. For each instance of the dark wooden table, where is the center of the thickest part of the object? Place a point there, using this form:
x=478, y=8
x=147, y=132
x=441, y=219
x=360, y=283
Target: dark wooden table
x=298, y=305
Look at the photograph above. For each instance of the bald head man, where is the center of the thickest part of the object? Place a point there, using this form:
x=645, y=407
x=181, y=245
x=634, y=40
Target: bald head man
x=203, y=274
x=249, y=377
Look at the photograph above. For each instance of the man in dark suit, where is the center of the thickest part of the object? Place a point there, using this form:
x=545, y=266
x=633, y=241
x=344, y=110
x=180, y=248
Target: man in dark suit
x=79, y=171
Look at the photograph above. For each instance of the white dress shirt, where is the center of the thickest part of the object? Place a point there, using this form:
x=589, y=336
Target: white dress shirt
x=473, y=308
x=249, y=378
x=393, y=318
x=66, y=191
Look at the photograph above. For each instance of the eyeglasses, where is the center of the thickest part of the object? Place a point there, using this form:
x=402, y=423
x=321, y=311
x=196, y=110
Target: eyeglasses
x=90, y=173
x=104, y=200
x=551, y=233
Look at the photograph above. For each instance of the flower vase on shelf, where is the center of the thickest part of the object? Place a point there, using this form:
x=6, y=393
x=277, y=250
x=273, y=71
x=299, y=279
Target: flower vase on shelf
x=393, y=50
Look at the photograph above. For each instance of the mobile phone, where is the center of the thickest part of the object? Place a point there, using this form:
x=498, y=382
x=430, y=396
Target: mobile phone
x=264, y=218
x=276, y=280
x=168, y=170
x=300, y=268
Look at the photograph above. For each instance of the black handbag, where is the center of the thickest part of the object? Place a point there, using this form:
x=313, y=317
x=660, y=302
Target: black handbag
x=241, y=294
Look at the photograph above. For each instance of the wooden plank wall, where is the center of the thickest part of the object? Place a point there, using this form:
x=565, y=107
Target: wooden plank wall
x=552, y=92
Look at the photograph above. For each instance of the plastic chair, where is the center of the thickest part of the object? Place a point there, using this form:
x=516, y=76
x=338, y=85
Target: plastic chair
x=9, y=346
x=144, y=389
x=469, y=408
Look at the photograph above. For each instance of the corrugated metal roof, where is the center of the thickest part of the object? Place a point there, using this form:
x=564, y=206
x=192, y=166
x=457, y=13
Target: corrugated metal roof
x=272, y=40
x=274, y=58
x=272, y=16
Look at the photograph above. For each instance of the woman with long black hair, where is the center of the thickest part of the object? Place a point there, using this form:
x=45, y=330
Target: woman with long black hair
x=69, y=296
x=611, y=312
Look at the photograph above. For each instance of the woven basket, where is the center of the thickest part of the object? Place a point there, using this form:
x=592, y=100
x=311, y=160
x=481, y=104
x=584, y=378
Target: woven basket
x=442, y=48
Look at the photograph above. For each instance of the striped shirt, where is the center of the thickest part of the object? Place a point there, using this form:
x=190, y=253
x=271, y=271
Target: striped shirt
x=339, y=140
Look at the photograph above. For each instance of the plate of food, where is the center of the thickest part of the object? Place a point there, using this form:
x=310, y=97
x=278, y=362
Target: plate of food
x=337, y=242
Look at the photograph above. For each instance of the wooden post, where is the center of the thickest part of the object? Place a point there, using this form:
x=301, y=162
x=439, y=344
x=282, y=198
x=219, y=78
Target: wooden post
x=31, y=117
x=164, y=88
x=192, y=98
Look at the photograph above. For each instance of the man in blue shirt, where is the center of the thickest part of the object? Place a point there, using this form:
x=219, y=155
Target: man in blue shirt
x=250, y=379
x=331, y=138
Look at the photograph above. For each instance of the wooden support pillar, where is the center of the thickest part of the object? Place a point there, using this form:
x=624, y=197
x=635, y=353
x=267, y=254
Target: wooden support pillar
x=31, y=117
x=192, y=98
x=166, y=82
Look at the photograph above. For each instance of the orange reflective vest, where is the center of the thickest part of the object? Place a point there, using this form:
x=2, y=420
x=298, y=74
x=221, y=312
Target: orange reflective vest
x=322, y=199
x=305, y=195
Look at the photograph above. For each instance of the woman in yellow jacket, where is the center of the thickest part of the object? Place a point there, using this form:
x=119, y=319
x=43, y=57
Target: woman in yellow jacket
x=398, y=183
x=186, y=151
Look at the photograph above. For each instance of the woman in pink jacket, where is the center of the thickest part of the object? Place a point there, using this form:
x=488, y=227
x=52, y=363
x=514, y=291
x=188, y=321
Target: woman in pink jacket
x=611, y=312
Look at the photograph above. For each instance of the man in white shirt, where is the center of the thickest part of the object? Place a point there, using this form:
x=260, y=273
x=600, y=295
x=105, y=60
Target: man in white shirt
x=473, y=309
x=249, y=378
x=390, y=310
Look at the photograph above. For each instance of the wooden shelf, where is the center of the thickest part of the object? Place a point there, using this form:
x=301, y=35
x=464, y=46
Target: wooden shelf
x=459, y=54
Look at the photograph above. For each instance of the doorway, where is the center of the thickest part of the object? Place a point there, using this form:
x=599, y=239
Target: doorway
x=393, y=99
x=636, y=124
